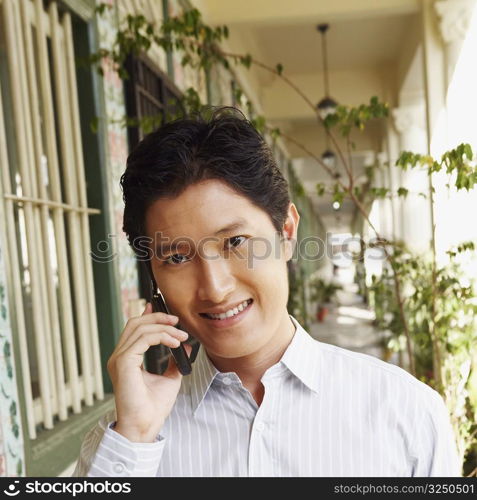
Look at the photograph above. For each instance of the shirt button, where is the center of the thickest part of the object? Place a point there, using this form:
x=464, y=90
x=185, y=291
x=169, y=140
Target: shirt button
x=226, y=381
x=259, y=426
x=118, y=467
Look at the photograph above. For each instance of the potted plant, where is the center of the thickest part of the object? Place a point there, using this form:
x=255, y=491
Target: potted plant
x=322, y=292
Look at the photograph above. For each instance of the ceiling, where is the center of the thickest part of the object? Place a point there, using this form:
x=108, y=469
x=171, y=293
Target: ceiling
x=351, y=44
x=276, y=12
x=369, y=43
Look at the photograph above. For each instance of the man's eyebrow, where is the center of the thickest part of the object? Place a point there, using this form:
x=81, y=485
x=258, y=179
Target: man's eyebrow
x=233, y=226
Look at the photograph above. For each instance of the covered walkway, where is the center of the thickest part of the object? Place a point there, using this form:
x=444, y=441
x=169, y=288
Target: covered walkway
x=349, y=324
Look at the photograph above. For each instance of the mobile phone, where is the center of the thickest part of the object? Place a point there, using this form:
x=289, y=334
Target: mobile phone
x=153, y=354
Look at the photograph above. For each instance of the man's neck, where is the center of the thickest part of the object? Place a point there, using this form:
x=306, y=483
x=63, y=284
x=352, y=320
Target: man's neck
x=251, y=368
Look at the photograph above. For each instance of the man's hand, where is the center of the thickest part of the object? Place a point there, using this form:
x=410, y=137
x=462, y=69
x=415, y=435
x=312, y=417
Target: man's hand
x=144, y=400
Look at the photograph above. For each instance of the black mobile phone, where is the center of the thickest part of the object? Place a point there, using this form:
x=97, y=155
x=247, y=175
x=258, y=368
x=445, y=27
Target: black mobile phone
x=153, y=354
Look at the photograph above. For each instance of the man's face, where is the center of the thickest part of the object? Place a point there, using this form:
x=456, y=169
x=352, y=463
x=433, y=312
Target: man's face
x=218, y=271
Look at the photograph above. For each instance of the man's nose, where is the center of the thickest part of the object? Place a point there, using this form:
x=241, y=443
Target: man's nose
x=216, y=280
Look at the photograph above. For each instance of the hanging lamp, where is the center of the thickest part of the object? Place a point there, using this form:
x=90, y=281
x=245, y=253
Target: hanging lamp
x=327, y=105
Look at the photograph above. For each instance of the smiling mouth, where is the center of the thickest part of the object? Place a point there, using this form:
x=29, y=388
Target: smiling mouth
x=229, y=314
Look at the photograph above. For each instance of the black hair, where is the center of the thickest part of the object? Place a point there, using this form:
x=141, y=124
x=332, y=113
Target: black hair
x=218, y=144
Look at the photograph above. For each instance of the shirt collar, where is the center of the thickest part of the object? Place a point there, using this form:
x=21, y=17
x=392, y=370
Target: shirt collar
x=300, y=357
x=202, y=376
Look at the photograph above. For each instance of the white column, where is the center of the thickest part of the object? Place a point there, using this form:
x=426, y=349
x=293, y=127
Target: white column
x=409, y=122
x=455, y=19
x=385, y=205
x=392, y=150
x=458, y=32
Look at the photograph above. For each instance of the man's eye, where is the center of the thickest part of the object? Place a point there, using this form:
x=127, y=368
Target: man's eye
x=178, y=258
x=174, y=259
x=235, y=239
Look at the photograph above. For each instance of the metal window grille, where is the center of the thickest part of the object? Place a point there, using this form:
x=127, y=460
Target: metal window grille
x=46, y=215
x=150, y=95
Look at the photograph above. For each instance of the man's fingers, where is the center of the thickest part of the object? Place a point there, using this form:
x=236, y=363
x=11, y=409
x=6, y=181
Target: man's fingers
x=147, y=318
x=142, y=344
x=143, y=330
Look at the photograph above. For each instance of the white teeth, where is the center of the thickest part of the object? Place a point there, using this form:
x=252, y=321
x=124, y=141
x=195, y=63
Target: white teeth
x=230, y=312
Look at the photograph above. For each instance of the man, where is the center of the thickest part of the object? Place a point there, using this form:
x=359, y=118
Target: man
x=263, y=398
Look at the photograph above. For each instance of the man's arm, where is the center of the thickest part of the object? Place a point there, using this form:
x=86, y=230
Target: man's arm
x=106, y=453
x=143, y=402
x=438, y=455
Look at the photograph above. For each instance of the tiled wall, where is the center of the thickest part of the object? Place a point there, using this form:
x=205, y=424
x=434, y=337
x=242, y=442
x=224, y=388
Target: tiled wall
x=12, y=461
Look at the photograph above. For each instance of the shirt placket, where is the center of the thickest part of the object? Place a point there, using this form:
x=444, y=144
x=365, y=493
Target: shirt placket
x=261, y=435
x=242, y=402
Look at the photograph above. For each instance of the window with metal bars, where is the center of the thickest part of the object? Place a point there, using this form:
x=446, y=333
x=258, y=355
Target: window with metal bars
x=151, y=97
x=47, y=215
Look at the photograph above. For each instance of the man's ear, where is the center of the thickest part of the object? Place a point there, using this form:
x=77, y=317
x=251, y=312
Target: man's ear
x=290, y=230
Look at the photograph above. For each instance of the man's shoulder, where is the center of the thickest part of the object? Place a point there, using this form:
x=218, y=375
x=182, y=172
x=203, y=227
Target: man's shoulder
x=357, y=367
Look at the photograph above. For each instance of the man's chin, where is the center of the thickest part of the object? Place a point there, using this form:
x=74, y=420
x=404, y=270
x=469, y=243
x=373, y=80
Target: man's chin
x=230, y=350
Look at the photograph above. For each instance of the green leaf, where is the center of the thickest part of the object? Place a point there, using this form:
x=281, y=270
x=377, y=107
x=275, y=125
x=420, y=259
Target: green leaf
x=320, y=189
x=101, y=8
x=300, y=190
x=468, y=151
x=186, y=59
x=259, y=123
x=338, y=194
x=275, y=133
x=347, y=118
x=402, y=192
x=379, y=192
x=238, y=93
x=331, y=120
x=246, y=60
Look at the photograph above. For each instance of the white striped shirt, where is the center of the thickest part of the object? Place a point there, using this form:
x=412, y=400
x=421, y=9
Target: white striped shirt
x=326, y=411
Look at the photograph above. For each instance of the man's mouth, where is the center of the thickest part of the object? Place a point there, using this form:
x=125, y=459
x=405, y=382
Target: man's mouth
x=230, y=313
